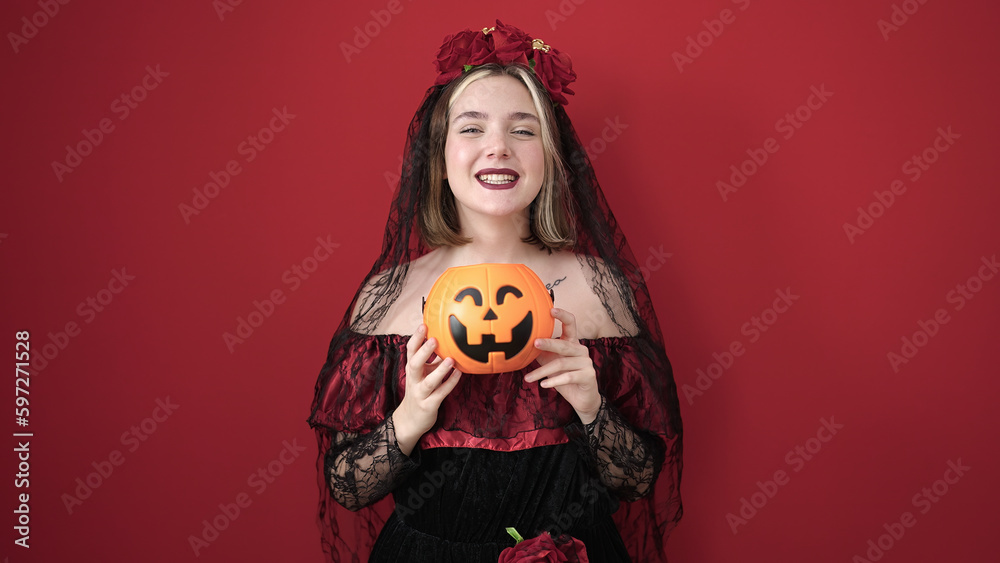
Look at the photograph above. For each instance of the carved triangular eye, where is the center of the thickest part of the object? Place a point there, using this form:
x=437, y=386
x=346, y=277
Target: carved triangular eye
x=470, y=292
x=503, y=291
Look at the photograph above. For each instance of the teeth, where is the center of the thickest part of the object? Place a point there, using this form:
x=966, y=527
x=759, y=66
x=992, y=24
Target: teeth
x=497, y=178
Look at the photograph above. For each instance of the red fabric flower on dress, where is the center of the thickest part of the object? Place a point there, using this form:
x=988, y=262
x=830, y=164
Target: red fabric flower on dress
x=544, y=549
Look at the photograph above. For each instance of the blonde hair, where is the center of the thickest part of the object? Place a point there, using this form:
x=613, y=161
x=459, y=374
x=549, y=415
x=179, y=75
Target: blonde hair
x=550, y=221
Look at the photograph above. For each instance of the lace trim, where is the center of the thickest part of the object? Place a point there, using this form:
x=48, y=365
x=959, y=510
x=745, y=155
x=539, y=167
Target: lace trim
x=364, y=469
x=626, y=461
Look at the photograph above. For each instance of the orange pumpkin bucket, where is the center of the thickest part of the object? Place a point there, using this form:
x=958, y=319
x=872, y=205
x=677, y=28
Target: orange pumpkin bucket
x=487, y=316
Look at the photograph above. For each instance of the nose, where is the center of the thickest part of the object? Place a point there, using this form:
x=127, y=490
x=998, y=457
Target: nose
x=497, y=145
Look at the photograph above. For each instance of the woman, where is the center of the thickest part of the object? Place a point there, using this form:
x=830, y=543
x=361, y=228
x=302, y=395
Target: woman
x=585, y=441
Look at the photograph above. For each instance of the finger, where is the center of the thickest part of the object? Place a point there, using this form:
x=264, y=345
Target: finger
x=415, y=341
x=561, y=347
x=447, y=386
x=437, y=375
x=568, y=321
x=561, y=379
x=552, y=368
x=420, y=357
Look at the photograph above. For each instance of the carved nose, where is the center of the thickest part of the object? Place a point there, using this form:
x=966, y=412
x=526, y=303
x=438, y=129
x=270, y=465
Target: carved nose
x=490, y=315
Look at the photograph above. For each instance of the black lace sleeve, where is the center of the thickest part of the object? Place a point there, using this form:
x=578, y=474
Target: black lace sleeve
x=362, y=469
x=626, y=460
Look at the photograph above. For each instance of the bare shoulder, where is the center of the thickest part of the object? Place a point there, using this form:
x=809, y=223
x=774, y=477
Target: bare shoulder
x=370, y=302
x=404, y=313
x=583, y=286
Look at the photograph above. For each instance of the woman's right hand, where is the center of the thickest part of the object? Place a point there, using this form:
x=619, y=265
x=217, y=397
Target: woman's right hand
x=427, y=384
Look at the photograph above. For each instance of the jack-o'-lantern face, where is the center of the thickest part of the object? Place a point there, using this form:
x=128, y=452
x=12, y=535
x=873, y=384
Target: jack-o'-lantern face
x=487, y=316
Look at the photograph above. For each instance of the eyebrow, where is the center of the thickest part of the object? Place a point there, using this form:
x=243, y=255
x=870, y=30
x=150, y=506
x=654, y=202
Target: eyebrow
x=514, y=116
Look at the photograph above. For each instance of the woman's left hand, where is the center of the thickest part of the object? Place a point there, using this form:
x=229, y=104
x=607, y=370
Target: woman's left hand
x=567, y=367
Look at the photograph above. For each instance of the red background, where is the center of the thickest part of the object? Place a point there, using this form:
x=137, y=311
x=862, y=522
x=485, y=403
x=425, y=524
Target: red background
x=324, y=175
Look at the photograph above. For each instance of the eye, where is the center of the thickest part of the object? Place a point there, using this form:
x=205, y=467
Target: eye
x=477, y=297
x=471, y=129
x=503, y=291
x=524, y=132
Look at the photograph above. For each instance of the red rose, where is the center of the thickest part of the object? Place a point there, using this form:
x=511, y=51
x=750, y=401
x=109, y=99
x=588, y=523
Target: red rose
x=543, y=549
x=510, y=44
x=555, y=70
x=463, y=48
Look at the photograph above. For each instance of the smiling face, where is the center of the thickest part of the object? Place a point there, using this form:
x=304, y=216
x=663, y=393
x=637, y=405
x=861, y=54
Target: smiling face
x=494, y=159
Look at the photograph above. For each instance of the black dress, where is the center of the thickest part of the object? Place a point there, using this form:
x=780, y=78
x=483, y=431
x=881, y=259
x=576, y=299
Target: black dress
x=457, y=512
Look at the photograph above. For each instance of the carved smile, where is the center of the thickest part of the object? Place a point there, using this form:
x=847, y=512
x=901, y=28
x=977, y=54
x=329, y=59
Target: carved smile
x=519, y=337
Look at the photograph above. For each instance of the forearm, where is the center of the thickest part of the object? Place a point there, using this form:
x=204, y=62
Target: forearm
x=363, y=470
x=626, y=461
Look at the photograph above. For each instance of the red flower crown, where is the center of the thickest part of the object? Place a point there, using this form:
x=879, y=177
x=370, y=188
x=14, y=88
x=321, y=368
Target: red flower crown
x=505, y=44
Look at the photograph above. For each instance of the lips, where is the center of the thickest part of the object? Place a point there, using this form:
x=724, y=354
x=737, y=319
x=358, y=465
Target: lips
x=497, y=178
